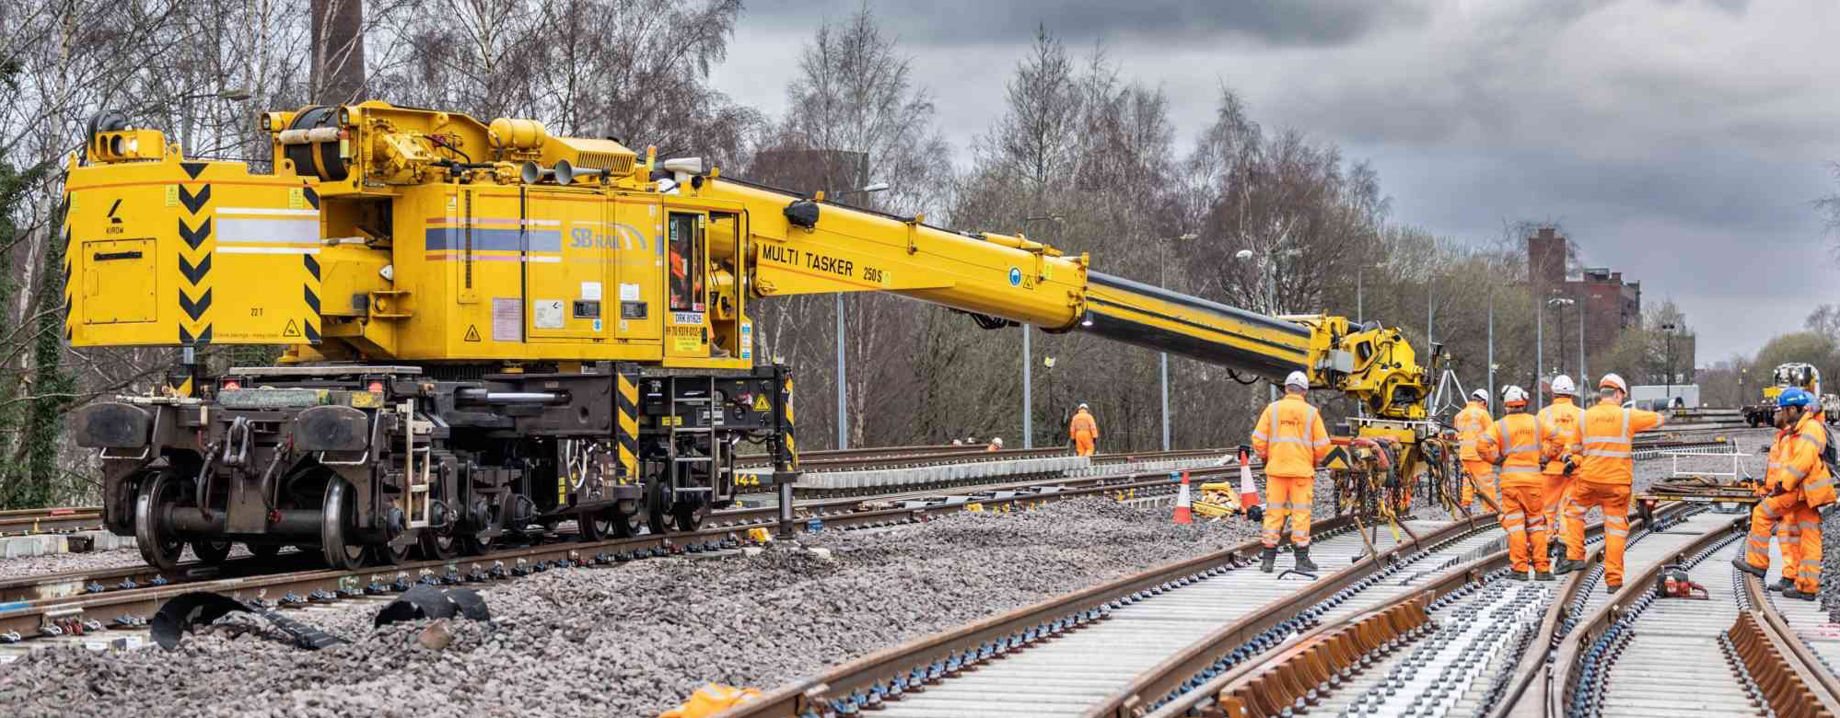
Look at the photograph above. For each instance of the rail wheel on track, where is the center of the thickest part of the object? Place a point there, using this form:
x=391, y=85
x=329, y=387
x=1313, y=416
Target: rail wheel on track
x=337, y=537
x=160, y=489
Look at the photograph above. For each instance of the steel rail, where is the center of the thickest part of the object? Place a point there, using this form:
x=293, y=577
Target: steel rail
x=1320, y=647
x=1550, y=686
x=95, y=581
x=1196, y=659
x=964, y=647
x=1812, y=675
x=63, y=613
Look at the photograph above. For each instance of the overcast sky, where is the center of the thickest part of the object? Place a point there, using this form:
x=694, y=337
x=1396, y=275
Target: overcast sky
x=1681, y=142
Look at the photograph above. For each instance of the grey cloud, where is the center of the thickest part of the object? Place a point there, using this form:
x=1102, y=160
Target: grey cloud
x=1272, y=22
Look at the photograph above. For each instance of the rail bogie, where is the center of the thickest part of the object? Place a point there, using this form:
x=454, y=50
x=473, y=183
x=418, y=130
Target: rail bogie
x=367, y=463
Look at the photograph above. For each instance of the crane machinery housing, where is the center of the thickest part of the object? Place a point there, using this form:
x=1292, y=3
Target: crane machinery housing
x=488, y=329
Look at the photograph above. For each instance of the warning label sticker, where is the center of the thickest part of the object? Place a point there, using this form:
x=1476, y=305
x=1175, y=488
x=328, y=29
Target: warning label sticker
x=292, y=330
x=472, y=332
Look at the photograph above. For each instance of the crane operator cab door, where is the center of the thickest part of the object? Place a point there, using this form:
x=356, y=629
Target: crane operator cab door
x=686, y=284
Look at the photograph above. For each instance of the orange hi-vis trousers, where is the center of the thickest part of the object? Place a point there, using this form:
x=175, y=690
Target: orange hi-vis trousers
x=1557, y=486
x=1288, y=496
x=1485, y=478
x=1523, y=516
x=1083, y=445
x=1615, y=500
x=1800, y=539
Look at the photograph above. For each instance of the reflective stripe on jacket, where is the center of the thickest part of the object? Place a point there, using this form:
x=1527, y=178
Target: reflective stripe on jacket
x=1564, y=418
x=1471, y=422
x=1291, y=438
x=1799, y=465
x=1516, y=442
x=1607, y=438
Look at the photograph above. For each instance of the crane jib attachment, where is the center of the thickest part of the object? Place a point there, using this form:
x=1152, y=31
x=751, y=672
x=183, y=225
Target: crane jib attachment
x=1136, y=313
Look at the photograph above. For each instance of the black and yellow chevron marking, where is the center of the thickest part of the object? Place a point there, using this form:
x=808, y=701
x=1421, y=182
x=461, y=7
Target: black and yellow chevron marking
x=626, y=400
x=195, y=260
x=310, y=297
x=69, y=251
x=788, y=439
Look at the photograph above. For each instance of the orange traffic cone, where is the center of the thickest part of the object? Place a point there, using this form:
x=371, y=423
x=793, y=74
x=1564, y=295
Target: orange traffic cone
x=1248, y=494
x=1185, y=514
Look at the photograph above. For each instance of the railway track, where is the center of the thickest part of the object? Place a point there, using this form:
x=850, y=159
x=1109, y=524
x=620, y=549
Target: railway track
x=65, y=519
x=90, y=601
x=1065, y=655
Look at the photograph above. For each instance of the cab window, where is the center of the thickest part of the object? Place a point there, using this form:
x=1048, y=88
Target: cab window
x=686, y=265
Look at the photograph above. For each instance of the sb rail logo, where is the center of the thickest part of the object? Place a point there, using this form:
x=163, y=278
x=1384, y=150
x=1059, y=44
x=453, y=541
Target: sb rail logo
x=1015, y=276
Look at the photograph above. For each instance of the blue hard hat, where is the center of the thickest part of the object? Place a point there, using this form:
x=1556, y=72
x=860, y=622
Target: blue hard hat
x=1795, y=396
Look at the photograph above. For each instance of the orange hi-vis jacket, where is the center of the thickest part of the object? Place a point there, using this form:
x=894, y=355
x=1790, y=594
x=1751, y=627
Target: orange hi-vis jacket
x=1608, y=437
x=1291, y=438
x=1082, y=423
x=1564, y=417
x=1471, y=422
x=1798, y=466
x=1517, y=441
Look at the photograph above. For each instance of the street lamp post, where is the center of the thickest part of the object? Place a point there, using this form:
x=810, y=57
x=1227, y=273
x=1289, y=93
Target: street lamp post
x=1028, y=384
x=1163, y=357
x=843, y=386
x=1269, y=268
x=1559, y=304
x=1667, y=332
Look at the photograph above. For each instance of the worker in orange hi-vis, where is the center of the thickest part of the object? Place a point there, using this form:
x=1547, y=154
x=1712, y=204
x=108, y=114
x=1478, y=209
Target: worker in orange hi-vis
x=1605, y=468
x=1518, y=442
x=1562, y=448
x=1798, y=485
x=1084, y=431
x=996, y=444
x=1290, y=437
x=1471, y=422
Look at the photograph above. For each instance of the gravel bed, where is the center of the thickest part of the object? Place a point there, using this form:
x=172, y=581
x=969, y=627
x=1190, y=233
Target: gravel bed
x=93, y=561
x=635, y=639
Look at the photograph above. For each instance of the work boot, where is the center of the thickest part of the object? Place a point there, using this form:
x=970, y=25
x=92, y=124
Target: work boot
x=1745, y=566
x=1517, y=575
x=1304, y=563
x=1269, y=559
x=1565, y=566
x=1612, y=588
x=1791, y=592
x=1782, y=584
x=1542, y=576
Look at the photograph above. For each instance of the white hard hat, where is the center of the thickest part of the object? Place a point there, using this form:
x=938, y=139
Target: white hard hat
x=1514, y=395
x=1297, y=379
x=1612, y=381
x=1481, y=395
x=1562, y=386
x=1082, y=405
x=998, y=441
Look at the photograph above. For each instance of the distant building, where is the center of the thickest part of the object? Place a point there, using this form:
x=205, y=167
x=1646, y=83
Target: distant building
x=1610, y=304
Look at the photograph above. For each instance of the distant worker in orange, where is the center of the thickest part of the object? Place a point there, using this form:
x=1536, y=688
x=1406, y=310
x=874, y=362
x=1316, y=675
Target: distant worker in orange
x=1471, y=422
x=1605, y=468
x=996, y=444
x=1290, y=437
x=1084, y=431
x=1518, y=443
x=1564, y=416
x=1799, y=484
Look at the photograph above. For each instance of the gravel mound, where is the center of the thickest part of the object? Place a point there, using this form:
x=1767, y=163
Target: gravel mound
x=635, y=639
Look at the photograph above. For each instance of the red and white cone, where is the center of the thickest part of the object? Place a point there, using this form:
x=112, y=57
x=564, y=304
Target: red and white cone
x=1248, y=494
x=1185, y=513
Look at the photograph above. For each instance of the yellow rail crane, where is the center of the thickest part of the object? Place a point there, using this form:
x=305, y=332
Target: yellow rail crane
x=489, y=329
